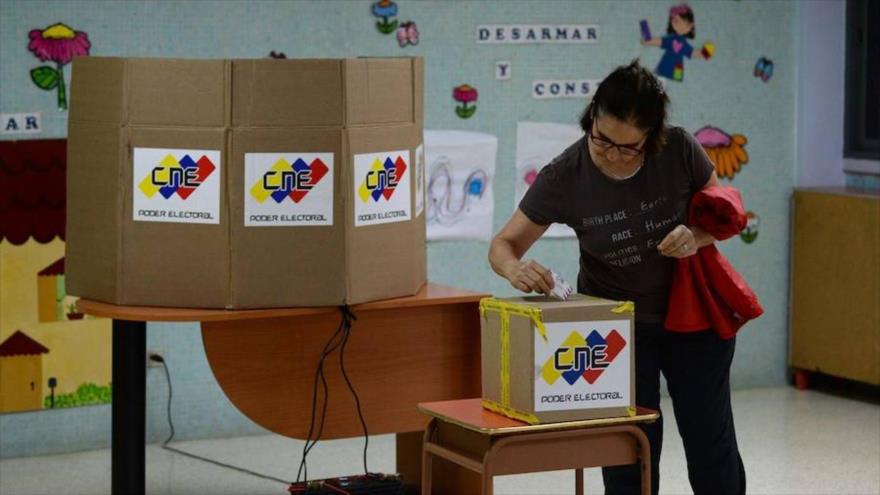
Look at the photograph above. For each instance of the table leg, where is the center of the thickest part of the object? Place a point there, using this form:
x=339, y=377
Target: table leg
x=579, y=481
x=409, y=460
x=426, y=459
x=488, y=485
x=644, y=457
x=129, y=400
x=447, y=478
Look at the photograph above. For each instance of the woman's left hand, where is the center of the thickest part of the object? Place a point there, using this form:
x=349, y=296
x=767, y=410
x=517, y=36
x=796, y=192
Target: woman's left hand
x=681, y=242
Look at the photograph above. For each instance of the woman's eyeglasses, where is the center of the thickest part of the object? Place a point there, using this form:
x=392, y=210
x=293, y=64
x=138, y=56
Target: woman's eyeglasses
x=623, y=149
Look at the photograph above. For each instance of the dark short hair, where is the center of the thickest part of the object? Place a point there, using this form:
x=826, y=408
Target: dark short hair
x=632, y=94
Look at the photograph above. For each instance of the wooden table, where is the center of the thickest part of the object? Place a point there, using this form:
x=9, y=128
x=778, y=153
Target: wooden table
x=487, y=444
x=401, y=352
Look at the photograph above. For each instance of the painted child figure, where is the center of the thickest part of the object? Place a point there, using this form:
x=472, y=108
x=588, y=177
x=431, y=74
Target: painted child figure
x=675, y=44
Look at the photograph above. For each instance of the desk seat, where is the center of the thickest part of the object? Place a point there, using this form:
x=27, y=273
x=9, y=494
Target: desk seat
x=489, y=444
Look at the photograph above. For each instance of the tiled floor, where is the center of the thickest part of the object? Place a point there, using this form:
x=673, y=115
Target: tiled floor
x=792, y=443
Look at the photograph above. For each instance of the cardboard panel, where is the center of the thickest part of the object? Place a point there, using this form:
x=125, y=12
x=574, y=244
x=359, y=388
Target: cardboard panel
x=522, y=358
x=418, y=68
x=171, y=263
x=381, y=256
x=287, y=92
x=597, y=413
x=273, y=263
x=379, y=91
x=177, y=92
x=93, y=231
x=490, y=362
x=420, y=231
x=97, y=91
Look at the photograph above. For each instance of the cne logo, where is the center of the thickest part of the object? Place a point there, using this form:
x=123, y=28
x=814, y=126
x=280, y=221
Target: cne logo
x=582, y=358
x=382, y=179
x=286, y=180
x=172, y=176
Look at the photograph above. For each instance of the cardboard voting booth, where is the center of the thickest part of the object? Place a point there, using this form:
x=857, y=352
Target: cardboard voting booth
x=244, y=183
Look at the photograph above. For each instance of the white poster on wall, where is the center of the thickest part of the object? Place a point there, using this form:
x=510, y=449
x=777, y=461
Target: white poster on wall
x=460, y=173
x=536, y=144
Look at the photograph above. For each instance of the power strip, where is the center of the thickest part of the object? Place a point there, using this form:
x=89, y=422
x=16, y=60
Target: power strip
x=370, y=484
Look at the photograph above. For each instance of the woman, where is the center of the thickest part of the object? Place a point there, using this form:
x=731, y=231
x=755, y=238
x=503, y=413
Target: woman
x=624, y=188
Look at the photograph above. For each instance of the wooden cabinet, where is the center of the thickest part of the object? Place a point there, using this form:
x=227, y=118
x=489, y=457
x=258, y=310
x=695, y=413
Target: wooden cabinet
x=835, y=284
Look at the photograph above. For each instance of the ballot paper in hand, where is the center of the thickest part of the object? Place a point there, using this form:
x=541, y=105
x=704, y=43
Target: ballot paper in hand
x=561, y=289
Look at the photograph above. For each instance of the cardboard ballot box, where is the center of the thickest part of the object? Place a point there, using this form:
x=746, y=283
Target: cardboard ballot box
x=546, y=360
x=245, y=183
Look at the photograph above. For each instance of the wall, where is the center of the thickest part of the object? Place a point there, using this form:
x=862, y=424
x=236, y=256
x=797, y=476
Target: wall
x=720, y=92
x=820, y=102
x=821, y=80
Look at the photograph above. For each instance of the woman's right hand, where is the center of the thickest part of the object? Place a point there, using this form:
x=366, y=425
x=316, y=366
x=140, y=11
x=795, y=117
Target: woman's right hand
x=529, y=276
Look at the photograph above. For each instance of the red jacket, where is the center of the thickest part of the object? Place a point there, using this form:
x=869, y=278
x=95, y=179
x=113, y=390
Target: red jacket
x=706, y=290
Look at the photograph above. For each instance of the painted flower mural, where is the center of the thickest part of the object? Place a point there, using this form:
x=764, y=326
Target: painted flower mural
x=726, y=152
x=465, y=94
x=57, y=43
x=385, y=9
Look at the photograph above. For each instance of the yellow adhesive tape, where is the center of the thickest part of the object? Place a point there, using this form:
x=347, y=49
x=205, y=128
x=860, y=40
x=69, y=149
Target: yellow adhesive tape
x=505, y=357
x=504, y=310
x=510, y=412
x=625, y=307
x=492, y=304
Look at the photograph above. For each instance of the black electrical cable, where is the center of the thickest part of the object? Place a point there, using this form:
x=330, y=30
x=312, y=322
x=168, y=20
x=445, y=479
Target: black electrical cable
x=348, y=316
x=161, y=360
x=338, y=340
x=332, y=345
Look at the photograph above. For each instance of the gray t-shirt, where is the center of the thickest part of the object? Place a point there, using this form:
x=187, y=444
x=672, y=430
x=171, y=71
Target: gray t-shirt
x=620, y=223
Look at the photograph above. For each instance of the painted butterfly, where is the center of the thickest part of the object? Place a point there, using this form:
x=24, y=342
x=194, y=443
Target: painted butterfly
x=764, y=69
x=407, y=34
